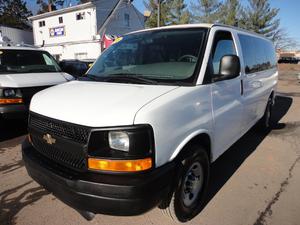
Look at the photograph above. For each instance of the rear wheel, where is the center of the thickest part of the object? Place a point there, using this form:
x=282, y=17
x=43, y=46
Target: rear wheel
x=190, y=188
x=265, y=122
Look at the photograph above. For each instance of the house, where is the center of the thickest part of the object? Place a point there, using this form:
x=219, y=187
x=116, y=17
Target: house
x=287, y=54
x=77, y=32
x=15, y=36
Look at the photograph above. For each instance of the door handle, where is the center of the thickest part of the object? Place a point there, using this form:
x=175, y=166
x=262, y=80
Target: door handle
x=242, y=87
x=256, y=84
x=251, y=75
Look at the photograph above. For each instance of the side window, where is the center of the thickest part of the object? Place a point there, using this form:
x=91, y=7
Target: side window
x=258, y=54
x=127, y=19
x=80, y=16
x=42, y=23
x=271, y=55
x=47, y=59
x=248, y=52
x=223, y=45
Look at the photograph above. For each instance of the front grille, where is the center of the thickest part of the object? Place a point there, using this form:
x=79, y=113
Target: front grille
x=73, y=159
x=72, y=132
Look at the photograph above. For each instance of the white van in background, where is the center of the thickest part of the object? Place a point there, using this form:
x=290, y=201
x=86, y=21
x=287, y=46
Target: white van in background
x=154, y=111
x=23, y=72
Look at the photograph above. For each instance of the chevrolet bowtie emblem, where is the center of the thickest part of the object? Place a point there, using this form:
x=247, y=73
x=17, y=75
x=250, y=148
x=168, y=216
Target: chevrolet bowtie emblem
x=49, y=139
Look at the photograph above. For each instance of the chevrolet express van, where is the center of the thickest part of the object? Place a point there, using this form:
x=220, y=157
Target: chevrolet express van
x=155, y=110
x=23, y=72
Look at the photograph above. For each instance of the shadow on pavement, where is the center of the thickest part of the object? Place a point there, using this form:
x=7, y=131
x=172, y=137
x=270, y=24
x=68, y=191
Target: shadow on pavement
x=7, y=168
x=225, y=166
x=10, y=129
x=12, y=201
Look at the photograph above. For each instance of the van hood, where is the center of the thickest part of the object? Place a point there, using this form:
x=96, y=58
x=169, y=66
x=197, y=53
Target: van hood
x=33, y=79
x=95, y=104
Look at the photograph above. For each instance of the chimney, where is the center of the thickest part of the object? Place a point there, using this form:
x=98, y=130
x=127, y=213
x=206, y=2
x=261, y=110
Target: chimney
x=49, y=7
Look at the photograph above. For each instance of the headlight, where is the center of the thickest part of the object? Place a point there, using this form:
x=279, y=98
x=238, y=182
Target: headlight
x=118, y=140
x=10, y=96
x=9, y=93
x=121, y=149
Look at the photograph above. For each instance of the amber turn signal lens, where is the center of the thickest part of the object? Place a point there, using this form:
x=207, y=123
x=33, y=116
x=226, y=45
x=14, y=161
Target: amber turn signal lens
x=11, y=100
x=120, y=165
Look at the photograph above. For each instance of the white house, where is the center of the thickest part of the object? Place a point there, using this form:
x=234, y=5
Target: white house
x=15, y=36
x=76, y=32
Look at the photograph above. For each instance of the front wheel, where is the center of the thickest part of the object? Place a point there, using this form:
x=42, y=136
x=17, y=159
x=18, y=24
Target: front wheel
x=191, y=186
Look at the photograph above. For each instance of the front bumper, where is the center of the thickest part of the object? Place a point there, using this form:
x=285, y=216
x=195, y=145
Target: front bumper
x=13, y=111
x=112, y=194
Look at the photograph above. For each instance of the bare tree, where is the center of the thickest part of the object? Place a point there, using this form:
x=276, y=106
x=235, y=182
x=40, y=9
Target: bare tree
x=283, y=41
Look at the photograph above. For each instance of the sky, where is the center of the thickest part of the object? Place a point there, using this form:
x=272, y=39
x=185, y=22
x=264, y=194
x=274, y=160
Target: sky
x=288, y=14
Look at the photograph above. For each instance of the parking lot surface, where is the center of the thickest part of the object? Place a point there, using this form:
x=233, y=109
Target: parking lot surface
x=257, y=181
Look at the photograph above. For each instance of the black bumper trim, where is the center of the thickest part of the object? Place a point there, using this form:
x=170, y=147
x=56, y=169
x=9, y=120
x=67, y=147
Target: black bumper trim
x=13, y=111
x=101, y=193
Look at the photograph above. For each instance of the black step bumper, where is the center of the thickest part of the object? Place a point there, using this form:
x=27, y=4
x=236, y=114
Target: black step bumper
x=110, y=194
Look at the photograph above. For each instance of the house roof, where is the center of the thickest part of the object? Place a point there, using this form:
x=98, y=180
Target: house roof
x=62, y=11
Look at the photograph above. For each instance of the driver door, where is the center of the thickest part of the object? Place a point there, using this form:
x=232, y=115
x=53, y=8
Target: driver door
x=226, y=95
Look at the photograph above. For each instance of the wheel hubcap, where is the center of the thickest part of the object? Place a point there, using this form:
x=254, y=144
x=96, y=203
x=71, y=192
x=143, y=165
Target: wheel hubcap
x=193, y=183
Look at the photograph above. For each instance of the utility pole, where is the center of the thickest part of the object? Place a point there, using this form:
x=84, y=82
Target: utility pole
x=158, y=13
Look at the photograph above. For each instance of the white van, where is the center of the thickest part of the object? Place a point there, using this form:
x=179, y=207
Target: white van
x=156, y=109
x=23, y=72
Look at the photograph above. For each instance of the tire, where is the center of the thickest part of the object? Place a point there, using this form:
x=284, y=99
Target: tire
x=265, y=123
x=190, y=187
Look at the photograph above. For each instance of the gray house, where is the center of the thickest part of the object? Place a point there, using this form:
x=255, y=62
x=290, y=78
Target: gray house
x=15, y=36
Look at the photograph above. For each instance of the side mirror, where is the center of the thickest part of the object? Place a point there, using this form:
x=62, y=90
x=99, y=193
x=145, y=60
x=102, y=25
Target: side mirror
x=230, y=67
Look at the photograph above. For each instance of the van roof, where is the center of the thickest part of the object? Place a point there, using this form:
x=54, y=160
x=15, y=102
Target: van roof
x=200, y=25
x=182, y=26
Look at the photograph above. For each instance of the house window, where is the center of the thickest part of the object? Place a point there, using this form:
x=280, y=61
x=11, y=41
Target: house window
x=80, y=16
x=60, y=19
x=126, y=19
x=42, y=23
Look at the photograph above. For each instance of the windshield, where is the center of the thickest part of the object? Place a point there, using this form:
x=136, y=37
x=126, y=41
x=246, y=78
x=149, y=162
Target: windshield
x=165, y=56
x=26, y=61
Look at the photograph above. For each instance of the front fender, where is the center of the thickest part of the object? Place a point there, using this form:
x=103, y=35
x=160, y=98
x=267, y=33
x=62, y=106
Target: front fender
x=187, y=140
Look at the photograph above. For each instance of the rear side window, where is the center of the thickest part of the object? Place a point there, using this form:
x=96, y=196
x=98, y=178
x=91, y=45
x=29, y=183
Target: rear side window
x=258, y=54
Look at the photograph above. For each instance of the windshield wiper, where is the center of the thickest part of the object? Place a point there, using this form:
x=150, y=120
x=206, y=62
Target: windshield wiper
x=39, y=70
x=92, y=77
x=129, y=77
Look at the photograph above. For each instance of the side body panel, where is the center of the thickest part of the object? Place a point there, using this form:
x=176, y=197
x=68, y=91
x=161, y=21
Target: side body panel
x=269, y=80
x=176, y=117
